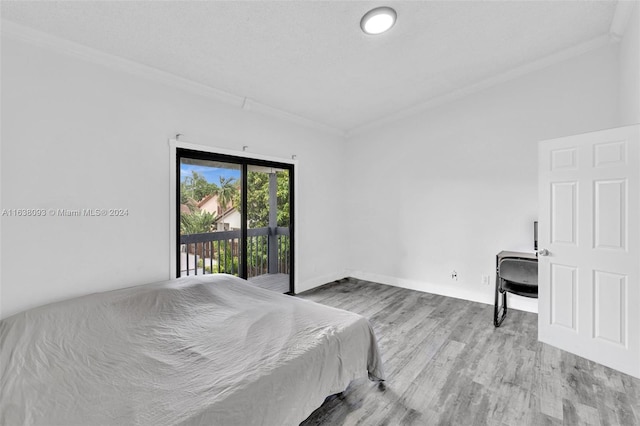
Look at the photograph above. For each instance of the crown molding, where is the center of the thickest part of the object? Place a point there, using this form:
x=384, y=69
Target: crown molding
x=80, y=51
x=48, y=41
x=463, y=92
x=251, y=105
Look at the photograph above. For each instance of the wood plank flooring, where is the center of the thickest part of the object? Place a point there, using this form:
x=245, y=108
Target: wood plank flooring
x=447, y=365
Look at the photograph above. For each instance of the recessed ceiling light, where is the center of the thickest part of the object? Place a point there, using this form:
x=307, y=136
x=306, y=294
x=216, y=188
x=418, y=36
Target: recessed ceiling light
x=378, y=20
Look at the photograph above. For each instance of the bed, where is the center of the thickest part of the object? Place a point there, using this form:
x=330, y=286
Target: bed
x=210, y=350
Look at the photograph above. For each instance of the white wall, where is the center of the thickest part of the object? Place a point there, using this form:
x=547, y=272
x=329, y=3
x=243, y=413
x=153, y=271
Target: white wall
x=442, y=190
x=80, y=135
x=461, y=179
x=630, y=70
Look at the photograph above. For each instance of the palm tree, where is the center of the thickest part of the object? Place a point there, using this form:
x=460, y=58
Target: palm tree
x=196, y=222
x=226, y=191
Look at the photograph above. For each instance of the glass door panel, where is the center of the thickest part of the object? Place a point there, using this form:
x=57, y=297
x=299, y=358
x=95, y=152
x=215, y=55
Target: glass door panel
x=268, y=226
x=210, y=219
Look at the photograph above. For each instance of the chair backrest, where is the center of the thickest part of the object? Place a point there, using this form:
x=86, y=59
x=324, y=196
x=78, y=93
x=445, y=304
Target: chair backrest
x=519, y=271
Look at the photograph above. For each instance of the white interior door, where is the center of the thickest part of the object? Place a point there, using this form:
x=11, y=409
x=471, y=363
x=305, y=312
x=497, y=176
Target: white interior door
x=589, y=283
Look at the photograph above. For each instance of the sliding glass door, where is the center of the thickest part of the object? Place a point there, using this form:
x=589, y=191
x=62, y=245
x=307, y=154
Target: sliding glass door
x=268, y=227
x=235, y=216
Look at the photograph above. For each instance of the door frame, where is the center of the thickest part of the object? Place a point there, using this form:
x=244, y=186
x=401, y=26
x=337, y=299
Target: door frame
x=242, y=156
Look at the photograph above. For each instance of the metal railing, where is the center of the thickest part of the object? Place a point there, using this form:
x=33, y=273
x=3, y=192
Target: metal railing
x=268, y=252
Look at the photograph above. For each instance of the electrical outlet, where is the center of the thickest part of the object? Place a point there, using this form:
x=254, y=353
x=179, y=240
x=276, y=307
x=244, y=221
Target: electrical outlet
x=486, y=280
x=454, y=275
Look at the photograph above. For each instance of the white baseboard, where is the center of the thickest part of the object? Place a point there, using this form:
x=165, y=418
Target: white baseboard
x=514, y=301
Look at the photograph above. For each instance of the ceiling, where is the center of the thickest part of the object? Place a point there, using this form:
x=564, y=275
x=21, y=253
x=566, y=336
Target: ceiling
x=310, y=58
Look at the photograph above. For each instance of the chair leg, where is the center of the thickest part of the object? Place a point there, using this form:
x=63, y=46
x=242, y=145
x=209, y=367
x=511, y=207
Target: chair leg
x=499, y=312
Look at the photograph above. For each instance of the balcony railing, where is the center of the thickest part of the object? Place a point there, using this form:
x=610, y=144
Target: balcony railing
x=268, y=252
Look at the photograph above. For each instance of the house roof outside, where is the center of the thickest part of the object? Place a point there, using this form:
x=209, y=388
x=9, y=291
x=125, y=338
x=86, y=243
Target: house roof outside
x=226, y=214
x=204, y=201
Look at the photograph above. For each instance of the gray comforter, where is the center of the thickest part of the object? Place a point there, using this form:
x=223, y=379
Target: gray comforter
x=198, y=350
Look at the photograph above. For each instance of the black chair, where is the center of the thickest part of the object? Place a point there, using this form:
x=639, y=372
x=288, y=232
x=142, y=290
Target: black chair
x=516, y=273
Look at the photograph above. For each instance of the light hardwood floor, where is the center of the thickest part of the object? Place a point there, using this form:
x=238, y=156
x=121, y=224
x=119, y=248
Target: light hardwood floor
x=447, y=365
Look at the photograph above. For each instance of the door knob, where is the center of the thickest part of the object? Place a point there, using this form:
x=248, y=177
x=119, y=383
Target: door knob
x=544, y=252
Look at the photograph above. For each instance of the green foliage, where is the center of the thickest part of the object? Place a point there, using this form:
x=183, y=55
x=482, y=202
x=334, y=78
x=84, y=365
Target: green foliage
x=258, y=199
x=257, y=253
x=226, y=191
x=194, y=188
x=283, y=199
x=196, y=222
x=227, y=261
x=207, y=267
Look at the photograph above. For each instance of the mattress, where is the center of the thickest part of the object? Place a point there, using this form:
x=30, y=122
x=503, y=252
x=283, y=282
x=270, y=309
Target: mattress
x=208, y=350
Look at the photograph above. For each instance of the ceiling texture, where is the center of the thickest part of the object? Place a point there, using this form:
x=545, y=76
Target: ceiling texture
x=310, y=58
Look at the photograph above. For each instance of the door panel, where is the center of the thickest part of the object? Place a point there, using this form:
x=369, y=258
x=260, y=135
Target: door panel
x=610, y=310
x=268, y=226
x=563, y=159
x=589, y=284
x=563, y=296
x=609, y=154
x=610, y=214
x=563, y=212
x=209, y=237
